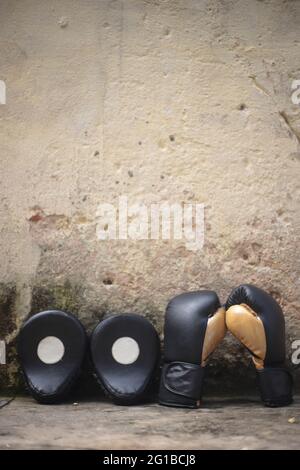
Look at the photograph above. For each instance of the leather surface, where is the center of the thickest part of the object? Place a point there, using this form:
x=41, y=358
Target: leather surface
x=51, y=382
x=247, y=327
x=270, y=313
x=255, y=318
x=125, y=383
x=215, y=332
x=185, y=325
x=183, y=379
x=194, y=324
x=275, y=386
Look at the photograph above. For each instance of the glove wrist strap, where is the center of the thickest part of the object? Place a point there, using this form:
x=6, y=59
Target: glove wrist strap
x=275, y=384
x=181, y=384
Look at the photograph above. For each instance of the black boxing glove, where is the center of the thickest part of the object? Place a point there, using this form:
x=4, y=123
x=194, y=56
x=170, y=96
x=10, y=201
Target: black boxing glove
x=194, y=326
x=256, y=319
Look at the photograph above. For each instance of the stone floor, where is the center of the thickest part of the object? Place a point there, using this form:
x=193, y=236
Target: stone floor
x=219, y=424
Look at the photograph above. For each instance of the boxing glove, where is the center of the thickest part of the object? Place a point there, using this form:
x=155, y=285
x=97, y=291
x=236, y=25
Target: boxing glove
x=194, y=326
x=256, y=319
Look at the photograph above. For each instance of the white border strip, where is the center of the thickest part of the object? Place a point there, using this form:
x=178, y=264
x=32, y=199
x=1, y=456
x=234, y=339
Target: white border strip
x=2, y=352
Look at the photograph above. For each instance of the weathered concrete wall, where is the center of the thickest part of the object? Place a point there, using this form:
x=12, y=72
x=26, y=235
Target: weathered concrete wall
x=159, y=100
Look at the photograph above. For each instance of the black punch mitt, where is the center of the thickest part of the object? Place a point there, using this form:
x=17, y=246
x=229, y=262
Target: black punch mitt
x=125, y=351
x=51, y=350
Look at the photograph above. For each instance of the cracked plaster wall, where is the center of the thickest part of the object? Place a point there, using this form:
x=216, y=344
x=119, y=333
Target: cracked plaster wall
x=177, y=100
